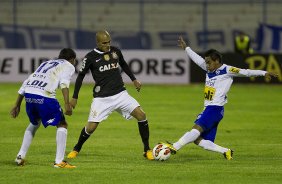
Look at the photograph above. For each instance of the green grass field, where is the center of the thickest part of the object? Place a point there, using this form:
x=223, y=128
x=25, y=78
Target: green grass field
x=252, y=126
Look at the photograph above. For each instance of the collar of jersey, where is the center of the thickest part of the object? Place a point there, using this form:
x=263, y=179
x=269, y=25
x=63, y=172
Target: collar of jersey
x=100, y=52
x=220, y=71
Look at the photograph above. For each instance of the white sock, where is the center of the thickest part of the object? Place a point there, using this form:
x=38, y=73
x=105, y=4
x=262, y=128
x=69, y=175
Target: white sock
x=27, y=139
x=61, y=139
x=187, y=138
x=208, y=145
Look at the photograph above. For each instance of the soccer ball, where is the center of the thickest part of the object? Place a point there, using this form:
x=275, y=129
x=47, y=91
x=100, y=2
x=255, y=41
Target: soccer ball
x=161, y=152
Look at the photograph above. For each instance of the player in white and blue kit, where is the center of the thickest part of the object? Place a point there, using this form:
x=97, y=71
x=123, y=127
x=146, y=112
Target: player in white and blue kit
x=39, y=91
x=219, y=78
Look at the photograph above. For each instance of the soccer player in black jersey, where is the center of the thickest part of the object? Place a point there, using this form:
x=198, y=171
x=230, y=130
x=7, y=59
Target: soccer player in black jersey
x=109, y=92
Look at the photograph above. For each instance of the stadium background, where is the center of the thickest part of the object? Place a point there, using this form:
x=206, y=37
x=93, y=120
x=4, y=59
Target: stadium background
x=143, y=29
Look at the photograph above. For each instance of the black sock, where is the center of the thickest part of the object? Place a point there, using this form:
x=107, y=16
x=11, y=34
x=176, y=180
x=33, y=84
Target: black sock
x=82, y=138
x=144, y=133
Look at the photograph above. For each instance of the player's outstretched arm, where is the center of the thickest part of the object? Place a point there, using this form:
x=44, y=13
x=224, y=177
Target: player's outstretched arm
x=197, y=59
x=15, y=111
x=269, y=75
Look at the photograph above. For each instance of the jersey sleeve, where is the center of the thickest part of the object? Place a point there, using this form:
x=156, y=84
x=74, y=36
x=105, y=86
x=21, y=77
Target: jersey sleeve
x=125, y=67
x=239, y=72
x=197, y=59
x=66, y=75
x=77, y=85
x=22, y=88
x=86, y=62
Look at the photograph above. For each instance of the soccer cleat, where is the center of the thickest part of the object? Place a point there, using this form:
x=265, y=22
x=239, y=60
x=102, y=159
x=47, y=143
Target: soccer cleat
x=72, y=154
x=228, y=154
x=170, y=146
x=19, y=160
x=149, y=155
x=64, y=165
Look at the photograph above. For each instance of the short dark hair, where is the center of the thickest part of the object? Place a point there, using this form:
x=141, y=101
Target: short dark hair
x=214, y=55
x=67, y=54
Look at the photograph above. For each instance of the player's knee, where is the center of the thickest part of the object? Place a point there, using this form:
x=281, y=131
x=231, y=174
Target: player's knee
x=91, y=127
x=89, y=130
x=63, y=124
x=32, y=128
x=141, y=115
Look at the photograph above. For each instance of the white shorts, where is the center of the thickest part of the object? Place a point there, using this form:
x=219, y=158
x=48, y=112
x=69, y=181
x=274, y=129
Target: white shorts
x=122, y=102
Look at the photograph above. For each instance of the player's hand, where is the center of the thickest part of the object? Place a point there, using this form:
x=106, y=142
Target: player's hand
x=73, y=102
x=68, y=109
x=137, y=85
x=15, y=111
x=182, y=43
x=269, y=75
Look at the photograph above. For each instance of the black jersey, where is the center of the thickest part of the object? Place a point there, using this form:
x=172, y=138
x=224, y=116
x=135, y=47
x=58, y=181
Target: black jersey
x=106, y=72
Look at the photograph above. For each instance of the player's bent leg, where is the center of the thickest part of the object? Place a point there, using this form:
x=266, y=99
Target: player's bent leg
x=211, y=146
x=61, y=140
x=84, y=135
x=143, y=127
x=187, y=138
x=144, y=133
x=27, y=139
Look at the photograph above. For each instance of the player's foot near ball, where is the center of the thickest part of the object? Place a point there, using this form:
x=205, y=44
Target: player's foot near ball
x=170, y=146
x=72, y=154
x=149, y=155
x=19, y=160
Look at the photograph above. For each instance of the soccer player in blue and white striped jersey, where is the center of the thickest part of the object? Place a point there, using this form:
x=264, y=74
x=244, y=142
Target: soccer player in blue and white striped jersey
x=39, y=91
x=219, y=78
